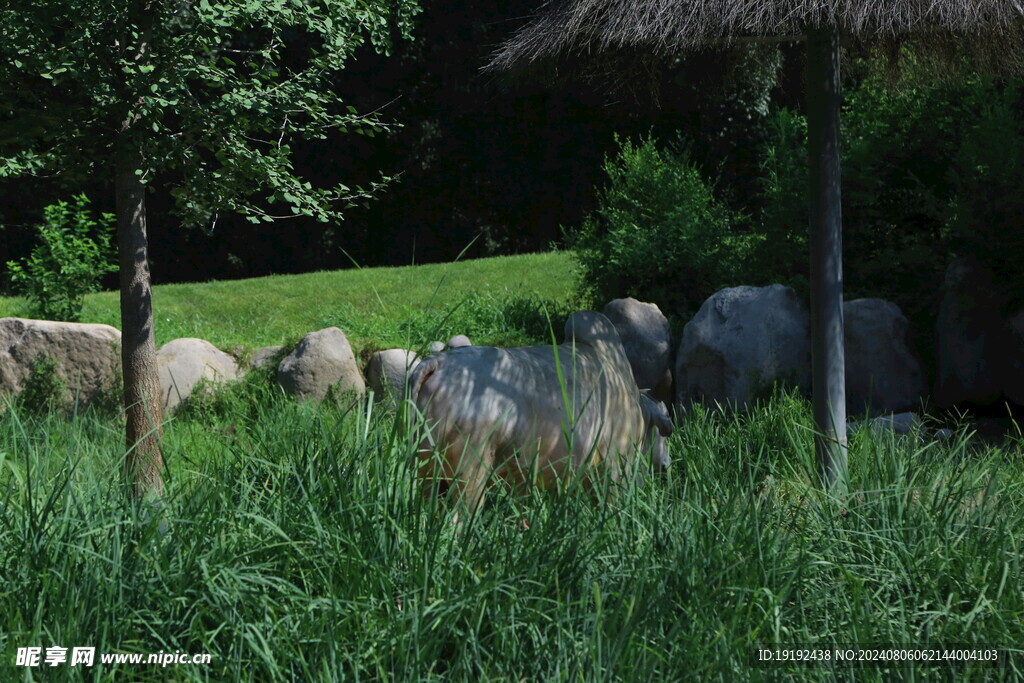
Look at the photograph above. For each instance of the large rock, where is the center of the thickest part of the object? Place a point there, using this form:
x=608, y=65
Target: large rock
x=263, y=356
x=971, y=338
x=458, y=341
x=88, y=356
x=387, y=372
x=321, y=360
x=647, y=339
x=742, y=341
x=882, y=373
x=901, y=423
x=181, y=363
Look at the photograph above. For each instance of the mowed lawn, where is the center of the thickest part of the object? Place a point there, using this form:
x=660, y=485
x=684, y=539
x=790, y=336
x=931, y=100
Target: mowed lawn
x=376, y=301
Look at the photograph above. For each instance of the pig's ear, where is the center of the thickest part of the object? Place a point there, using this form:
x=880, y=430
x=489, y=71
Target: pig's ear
x=656, y=413
x=665, y=427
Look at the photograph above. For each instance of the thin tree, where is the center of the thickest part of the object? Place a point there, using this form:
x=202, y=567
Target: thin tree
x=992, y=29
x=203, y=95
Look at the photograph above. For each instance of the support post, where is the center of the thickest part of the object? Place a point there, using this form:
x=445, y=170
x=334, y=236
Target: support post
x=828, y=371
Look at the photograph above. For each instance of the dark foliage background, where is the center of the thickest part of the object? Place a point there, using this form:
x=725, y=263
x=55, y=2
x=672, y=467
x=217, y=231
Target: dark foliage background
x=489, y=163
x=486, y=164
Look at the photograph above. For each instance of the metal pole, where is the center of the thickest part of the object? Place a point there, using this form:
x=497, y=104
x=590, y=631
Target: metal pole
x=828, y=371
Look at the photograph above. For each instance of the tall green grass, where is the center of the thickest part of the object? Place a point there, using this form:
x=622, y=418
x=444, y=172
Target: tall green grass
x=299, y=547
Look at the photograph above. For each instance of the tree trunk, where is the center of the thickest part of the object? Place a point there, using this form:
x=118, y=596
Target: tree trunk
x=828, y=372
x=142, y=404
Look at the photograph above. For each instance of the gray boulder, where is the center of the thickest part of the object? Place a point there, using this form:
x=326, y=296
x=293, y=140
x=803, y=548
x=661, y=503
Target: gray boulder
x=321, y=360
x=88, y=356
x=263, y=356
x=970, y=337
x=436, y=347
x=647, y=339
x=387, y=372
x=882, y=372
x=741, y=342
x=900, y=423
x=458, y=341
x=181, y=363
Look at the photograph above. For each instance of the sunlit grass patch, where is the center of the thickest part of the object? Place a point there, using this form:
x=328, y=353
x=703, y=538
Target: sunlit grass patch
x=379, y=307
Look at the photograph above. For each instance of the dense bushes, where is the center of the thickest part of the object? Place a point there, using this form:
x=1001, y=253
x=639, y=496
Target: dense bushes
x=659, y=232
x=929, y=174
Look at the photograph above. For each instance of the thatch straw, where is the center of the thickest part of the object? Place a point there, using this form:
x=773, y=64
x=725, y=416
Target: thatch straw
x=661, y=27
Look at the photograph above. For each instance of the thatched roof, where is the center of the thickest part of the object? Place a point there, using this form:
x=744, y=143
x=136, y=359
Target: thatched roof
x=660, y=27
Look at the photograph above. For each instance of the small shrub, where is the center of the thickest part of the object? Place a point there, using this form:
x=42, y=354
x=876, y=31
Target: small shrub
x=659, y=233
x=109, y=400
x=44, y=389
x=74, y=252
x=486, y=319
x=214, y=402
x=537, y=318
